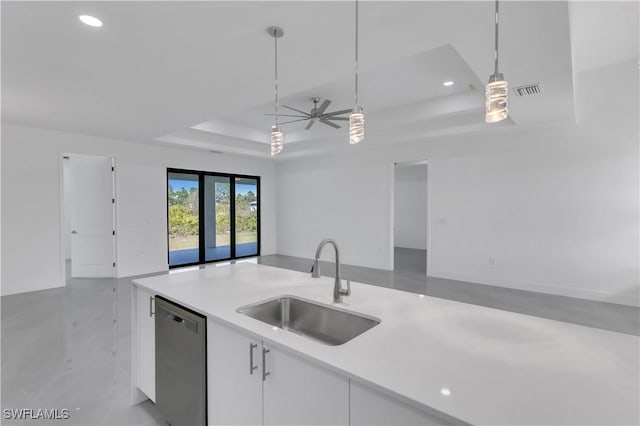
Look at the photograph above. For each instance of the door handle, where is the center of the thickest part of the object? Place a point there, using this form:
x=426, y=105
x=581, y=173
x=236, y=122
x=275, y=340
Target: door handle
x=74, y=232
x=252, y=367
x=265, y=373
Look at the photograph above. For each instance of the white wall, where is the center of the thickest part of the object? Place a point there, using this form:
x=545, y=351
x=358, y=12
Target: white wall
x=410, y=200
x=66, y=208
x=552, y=210
x=336, y=197
x=31, y=202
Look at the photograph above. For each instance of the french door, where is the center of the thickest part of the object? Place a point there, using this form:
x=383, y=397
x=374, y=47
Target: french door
x=212, y=216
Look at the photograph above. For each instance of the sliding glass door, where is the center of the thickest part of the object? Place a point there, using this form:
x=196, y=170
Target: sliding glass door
x=217, y=216
x=184, y=218
x=246, y=216
x=212, y=216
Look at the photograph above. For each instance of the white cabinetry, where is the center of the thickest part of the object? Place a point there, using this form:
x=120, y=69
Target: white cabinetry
x=297, y=392
x=145, y=343
x=234, y=385
x=369, y=407
x=251, y=382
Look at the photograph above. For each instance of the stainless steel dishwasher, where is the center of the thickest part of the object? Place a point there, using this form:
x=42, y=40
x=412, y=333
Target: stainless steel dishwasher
x=181, y=364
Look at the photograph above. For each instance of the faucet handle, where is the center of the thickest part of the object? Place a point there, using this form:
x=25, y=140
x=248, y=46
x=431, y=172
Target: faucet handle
x=346, y=292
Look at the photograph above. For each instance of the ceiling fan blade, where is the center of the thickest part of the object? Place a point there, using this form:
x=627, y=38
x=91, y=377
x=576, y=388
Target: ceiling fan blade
x=310, y=124
x=324, y=117
x=343, y=111
x=297, y=110
x=328, y=123
x=322, y=108
x=293, y=121
x=287, y=115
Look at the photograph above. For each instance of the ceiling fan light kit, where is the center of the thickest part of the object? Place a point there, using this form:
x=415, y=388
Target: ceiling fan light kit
x=496, y=105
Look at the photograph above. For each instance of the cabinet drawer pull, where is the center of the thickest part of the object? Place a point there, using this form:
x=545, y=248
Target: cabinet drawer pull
x=252, y=367
x=151, y=312
x=265, y=373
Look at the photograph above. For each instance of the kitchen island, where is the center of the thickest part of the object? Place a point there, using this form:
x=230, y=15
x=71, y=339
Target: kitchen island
x=445, y=361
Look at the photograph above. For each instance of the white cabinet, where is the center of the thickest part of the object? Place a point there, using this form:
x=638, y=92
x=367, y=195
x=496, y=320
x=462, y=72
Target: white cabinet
x=297, y=392
x=369, y=407
x=234, y=385
x=251, y=382
x=145, y=343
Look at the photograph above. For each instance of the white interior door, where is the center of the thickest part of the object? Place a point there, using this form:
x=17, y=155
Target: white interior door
x=92, y=217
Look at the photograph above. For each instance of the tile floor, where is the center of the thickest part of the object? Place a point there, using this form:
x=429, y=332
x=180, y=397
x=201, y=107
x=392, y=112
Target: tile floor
x=69, y=348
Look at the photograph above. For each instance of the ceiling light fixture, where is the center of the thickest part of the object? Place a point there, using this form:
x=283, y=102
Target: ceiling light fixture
x=497, y=89
x=356, y=118
x=448, y=83
x=92, y=21
x=277, y=138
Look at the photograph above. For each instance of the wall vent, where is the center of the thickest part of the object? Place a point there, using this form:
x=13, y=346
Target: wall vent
x=528, y=89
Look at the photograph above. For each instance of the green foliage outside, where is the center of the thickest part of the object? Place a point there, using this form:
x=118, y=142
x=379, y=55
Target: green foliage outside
x=183, y=211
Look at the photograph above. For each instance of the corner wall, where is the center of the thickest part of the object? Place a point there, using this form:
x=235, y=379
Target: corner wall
x=31, y=202
x=552, y=210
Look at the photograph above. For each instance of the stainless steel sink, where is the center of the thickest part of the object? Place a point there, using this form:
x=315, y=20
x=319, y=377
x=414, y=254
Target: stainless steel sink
x=316, y=321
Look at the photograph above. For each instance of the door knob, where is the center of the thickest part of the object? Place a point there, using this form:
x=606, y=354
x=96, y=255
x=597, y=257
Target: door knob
x=74, y=232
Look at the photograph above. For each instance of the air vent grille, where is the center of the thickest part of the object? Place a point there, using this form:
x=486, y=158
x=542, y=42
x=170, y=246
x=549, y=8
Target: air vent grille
x=528, y=90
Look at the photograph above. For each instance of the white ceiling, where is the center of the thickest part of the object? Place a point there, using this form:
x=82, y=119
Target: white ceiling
x=200, y=74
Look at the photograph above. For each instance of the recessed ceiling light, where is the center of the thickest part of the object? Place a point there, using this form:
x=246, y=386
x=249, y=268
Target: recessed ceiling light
x=445, y=391
x=448, y=83
x=92, y=21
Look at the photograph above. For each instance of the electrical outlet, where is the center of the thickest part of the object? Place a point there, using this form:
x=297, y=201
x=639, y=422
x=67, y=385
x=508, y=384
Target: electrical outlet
x=492, y=261
x=442, y=221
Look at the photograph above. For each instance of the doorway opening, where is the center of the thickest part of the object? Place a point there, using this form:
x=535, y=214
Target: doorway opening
x=411, y=208
x=88, y=213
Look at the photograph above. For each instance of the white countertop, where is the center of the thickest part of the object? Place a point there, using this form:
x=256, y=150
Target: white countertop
x=500, y=367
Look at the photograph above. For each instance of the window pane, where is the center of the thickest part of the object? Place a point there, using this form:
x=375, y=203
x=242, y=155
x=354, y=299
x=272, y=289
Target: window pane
x=184, y=243
x=217, y=217
x=246, y=220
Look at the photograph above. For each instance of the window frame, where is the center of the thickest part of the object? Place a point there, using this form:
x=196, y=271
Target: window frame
x=201, y=208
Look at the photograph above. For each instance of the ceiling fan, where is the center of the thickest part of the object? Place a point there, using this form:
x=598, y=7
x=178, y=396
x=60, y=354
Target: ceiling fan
x=317, y=113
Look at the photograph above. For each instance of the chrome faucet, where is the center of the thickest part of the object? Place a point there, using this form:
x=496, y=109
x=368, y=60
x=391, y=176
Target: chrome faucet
x=338, y=292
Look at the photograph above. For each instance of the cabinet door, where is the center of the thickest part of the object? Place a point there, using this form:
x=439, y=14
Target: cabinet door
x=297, y=392
x=370, y=408
x=234, y=376
x=146, y=344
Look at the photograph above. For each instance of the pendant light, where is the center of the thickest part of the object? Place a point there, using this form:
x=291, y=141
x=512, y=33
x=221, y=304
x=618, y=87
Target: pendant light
x=497, y=89
x=277, y=137
x=356, y=118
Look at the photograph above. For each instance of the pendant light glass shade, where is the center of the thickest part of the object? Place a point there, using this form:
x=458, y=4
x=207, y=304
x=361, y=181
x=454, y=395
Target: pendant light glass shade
x=496, y=99
x=276, y=141
x=277, y=138
x=497, y=88
x=356, y=127
x=356, y=119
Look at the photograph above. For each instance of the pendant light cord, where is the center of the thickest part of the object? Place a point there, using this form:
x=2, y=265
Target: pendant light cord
x=275, y=36
x=496, y=52
x=356, y=66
